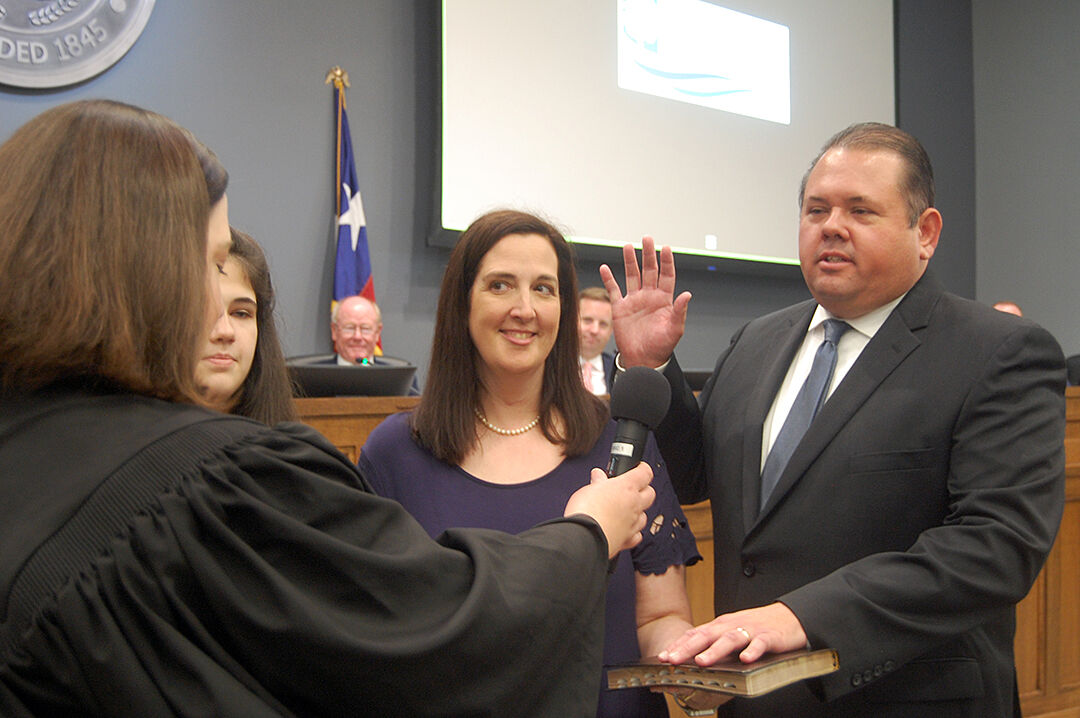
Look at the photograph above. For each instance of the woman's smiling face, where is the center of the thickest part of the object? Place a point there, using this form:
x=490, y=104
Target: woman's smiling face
x=514, y=306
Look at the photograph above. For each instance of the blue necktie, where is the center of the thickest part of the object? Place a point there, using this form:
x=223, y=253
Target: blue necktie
x=807, y=404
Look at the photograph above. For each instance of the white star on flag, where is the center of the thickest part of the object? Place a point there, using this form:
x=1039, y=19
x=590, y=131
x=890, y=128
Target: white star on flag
x=353, y=216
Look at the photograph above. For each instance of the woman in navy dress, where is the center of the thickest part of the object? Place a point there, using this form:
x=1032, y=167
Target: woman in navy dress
x=506, y=431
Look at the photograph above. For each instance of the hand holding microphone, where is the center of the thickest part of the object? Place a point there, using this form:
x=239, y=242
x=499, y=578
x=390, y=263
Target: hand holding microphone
x=639, y=401
x=618, y=505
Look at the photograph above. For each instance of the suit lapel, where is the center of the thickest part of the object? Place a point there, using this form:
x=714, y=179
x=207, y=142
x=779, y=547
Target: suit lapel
x=609, y=370
x=786, y=337
x=894, y=341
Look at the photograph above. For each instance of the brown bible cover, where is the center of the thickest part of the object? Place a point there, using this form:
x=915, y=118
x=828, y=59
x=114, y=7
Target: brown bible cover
x=731, y=677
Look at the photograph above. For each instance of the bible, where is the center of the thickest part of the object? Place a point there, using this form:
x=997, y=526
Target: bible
x=730, y=677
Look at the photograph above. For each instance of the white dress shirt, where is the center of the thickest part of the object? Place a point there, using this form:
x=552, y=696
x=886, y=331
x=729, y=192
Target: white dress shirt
x=848, y=350
x=597, y=383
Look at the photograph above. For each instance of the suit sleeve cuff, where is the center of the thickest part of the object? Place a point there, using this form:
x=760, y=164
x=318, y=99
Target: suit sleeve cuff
x=620, y=367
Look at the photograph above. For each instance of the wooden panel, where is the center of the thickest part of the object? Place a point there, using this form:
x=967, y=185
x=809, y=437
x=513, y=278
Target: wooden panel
x=1047, y=644
x=1067, y=598
x=347, y=420
x=1030, y=643
x=699, y=577
x=1072, y=413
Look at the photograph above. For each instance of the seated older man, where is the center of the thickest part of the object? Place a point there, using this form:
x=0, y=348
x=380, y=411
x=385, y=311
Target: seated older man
x=356, y=327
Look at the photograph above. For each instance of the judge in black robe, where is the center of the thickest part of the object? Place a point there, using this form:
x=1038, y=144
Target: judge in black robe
x=165, y=560
x=159, y=559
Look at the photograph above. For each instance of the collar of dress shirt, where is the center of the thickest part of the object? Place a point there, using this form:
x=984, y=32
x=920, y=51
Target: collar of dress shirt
x=867, y=325
x=848, y=350
x=342, y=361
x=597, y=362
x=597, y=381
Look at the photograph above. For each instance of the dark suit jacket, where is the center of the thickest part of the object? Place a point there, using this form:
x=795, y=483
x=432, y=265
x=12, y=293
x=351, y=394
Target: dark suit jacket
x=609, y=370
x=916, y=512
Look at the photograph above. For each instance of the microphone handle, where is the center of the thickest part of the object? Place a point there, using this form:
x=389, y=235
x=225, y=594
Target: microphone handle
x=628, y=446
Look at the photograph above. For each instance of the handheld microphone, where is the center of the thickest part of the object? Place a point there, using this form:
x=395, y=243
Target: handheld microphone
x=639, y=401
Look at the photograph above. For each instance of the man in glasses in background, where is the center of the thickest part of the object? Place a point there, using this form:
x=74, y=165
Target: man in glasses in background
x=356, y=328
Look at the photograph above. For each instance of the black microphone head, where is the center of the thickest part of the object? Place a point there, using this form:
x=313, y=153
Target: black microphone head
x=640, y=394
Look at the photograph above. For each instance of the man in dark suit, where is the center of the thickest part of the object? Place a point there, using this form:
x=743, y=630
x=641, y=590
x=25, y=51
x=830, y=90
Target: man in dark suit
x=594, y=331
x=918, y=507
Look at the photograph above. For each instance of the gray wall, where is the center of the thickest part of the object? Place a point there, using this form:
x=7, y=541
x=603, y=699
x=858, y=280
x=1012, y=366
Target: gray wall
x=1027, y=94
x=247, y=77
x=934, y=103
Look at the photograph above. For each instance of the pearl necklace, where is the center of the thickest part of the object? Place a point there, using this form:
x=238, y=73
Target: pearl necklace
x=502, y=431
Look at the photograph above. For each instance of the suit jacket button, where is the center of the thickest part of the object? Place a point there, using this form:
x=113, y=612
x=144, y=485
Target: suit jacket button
x=889, y=665
x=856, y=680
x=877, y=671
x=748, y=569
x=868, y=675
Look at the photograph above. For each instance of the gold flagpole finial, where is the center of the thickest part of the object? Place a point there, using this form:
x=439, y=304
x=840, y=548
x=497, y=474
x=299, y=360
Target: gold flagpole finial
x=337, y=77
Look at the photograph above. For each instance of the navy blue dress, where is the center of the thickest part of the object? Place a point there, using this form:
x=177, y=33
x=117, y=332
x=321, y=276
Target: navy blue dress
x=441, y=496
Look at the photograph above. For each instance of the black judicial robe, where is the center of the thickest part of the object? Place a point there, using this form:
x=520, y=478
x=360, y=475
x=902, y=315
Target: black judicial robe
x=163, y=560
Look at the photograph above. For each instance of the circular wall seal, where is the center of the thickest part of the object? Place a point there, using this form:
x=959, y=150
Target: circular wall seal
x=52, y=43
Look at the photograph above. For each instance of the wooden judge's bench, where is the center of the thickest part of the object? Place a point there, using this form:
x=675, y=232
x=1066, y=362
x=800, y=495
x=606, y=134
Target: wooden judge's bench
x=1047, y=621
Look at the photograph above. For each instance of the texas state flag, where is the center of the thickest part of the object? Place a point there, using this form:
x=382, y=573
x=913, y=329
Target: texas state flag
x=352, y=268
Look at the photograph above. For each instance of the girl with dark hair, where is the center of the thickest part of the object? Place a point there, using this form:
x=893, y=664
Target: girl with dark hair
x=505, y=430
x=242, y=370
x=162, y=559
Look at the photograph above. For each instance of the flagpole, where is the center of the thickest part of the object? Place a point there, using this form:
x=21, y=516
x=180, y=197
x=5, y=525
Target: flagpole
x=352, y=263
x=340, y=80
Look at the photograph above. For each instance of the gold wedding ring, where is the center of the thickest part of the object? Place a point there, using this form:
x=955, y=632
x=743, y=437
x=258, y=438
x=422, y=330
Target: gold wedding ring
x=745, y=633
